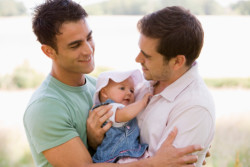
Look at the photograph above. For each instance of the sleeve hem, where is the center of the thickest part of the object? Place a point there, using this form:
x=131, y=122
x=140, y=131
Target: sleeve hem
x=47, y=146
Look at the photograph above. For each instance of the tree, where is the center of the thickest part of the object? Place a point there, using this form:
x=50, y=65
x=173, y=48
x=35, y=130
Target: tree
x=11, y=8
x=242, y=7
x=141, y=7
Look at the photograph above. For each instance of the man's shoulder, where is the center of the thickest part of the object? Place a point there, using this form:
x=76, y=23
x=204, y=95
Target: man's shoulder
x=198, y=95
x=46, y=94
x=91, y=79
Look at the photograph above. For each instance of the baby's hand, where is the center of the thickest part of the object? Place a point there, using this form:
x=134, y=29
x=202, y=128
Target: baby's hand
x=146, y=98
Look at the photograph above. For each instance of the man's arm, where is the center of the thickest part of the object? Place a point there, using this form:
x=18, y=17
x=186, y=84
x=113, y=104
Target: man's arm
x=166, y=156
x=95, y=131
x=74, y=153
x=195, y=126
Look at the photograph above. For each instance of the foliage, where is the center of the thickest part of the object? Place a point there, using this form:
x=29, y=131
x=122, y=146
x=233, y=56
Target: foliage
x=98, y=70
x=198, y=7
x=242, y=7
x=3, y=150
x=230, y=146
x=6, y=156
x=228, y=82
x=11, y=8
x=141, y=7
x=23, y=77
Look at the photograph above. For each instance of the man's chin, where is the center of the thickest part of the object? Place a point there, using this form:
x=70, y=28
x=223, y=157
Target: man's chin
x=89, y=70
x=147, y=77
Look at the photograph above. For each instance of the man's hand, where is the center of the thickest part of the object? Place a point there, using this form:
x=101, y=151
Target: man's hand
x=176, y=157
x=95, y=131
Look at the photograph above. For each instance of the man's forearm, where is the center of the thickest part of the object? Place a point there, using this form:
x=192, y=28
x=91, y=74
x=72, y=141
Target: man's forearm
x=149, y=162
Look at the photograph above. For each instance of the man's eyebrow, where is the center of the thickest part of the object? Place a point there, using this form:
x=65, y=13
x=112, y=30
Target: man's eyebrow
x=89, y=34
x=74, y=42
x=145, y=53
x=80, y=41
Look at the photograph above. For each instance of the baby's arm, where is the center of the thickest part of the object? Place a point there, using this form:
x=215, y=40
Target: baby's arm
x=130, y=111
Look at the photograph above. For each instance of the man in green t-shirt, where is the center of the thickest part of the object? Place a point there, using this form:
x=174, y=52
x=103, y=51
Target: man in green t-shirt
x=56, y=116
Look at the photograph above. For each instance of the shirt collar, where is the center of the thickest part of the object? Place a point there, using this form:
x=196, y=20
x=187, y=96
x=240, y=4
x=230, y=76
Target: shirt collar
x=174, y=89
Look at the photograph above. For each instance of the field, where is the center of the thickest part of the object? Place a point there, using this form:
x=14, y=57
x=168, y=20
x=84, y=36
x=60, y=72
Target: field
x=225, y=55
x=232, y=128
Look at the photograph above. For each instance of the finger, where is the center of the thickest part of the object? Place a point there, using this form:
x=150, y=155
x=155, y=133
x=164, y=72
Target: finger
x=171, y=137
x=189, y=149
x=105, y=117
x=107, y=127
x=208, y=154
x=91, y=108
x=90, y=111
x=189, y=165
x=204, y=162
x=94, y=117
x=189, y=159
x=103, y=110
x=99, y=112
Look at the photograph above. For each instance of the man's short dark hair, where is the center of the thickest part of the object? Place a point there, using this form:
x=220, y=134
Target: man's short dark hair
x=49, y=16
x=179, y=32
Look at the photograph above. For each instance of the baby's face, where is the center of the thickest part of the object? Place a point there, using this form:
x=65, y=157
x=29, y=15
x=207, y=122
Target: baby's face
x=122, y=92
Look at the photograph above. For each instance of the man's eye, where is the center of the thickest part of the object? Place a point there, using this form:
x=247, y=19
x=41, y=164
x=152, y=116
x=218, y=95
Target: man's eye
x=146, y=56
x=75, y=46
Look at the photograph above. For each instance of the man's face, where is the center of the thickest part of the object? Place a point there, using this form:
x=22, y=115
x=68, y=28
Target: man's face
x=154, y=66
x=75, y=48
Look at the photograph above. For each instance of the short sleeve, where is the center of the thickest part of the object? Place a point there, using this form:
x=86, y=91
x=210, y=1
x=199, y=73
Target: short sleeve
x=48, y=124
x=116, y=106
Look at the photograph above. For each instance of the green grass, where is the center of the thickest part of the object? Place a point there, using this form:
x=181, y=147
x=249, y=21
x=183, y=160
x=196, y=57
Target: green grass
x=231, y=142
x=24, y=77
x=228, y=82
x=231, y=139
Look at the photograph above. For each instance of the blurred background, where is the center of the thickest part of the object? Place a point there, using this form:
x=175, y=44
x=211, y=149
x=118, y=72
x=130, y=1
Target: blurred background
x=223, y=63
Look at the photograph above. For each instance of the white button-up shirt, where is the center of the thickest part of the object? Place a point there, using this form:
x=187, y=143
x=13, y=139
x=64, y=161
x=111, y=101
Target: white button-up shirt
x=186, y=104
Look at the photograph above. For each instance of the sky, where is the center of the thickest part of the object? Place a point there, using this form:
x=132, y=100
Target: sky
x=31, y=3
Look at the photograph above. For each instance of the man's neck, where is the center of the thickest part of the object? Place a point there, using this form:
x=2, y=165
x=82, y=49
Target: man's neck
x=71, y=79
x=159, y=86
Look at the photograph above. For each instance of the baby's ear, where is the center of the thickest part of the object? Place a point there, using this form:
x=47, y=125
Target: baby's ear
x=103, y=96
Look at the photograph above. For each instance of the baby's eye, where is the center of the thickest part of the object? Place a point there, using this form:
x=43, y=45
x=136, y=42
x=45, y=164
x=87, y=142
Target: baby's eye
x=122, y=88
x=131, y=90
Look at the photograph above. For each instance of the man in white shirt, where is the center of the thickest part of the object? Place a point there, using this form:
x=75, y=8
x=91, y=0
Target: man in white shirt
x=170, y=41
x=55, y=118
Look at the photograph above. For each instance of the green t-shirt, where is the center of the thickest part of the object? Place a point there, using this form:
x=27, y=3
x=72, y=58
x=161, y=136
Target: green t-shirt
x=57, y=113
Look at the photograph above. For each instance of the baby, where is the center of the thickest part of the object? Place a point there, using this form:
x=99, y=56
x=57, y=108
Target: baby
x=121, y=142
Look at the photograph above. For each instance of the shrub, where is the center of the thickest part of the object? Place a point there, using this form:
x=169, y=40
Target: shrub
x=23, y=77
x=100, y=69
x=228, y=82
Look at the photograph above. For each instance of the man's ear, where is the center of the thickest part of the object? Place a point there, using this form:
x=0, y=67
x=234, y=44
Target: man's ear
x=49, y=51
x=179, y=61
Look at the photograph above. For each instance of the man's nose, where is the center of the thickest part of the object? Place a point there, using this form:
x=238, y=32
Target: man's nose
x=138, y=58
x=87, y=49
